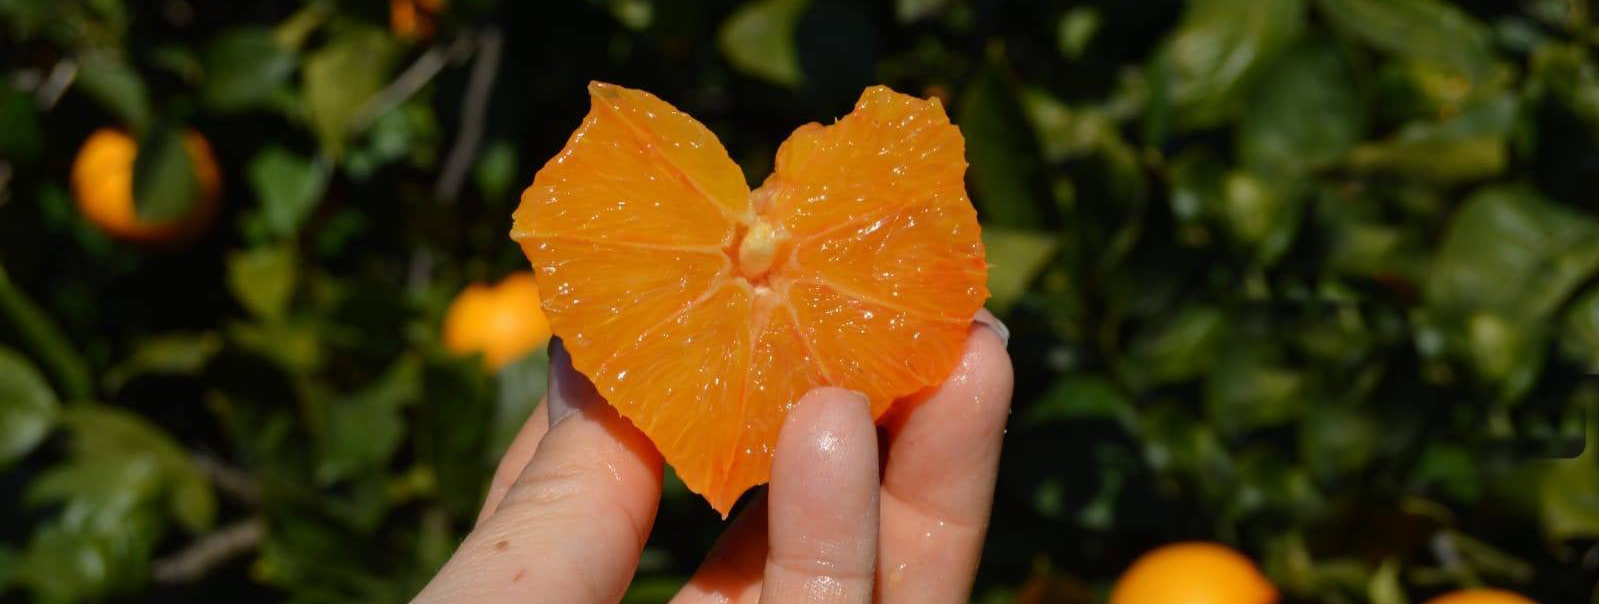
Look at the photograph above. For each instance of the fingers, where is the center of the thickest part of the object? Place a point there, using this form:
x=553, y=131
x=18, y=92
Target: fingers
x=572, y=525
x=516, y=457
x=731, y=573
x=938, y=481
x=823, y=503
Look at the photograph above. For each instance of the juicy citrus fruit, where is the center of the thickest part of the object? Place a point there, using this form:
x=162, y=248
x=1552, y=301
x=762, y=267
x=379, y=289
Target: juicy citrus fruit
x=1193, y=573
x=501, y=322
x=703, y=311
x=102, y=183
x=1480, y=596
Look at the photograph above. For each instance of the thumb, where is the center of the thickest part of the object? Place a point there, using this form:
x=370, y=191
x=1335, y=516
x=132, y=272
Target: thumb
x=571, y=527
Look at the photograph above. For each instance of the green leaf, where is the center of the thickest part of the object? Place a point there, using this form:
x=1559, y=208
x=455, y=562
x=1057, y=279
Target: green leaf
x=1303, y=113
x=633, y=14
x=1218, y=45
x=1336, y=440
x=1471, y=146
x=521, y=384
x=915, y=10
x=1424, y=30
x=178, y=60
x=1508, y=249
x=121, y=462
x=165, y=187
x=1006, y=175
x=190, y=499
x=1580, y=338
x=340, y=78
x=1076, y=29
x=1449, y=468
x=1015, y=257
x=495, y=172
x=410, y=132
x=288, y=186
x=1081, y=396
x=362, y=431
x=1568, y=74
x=296, y=347
x=1248, y=390
x=28, y=407
x=108, y=79
x=1385, y=587
x=20, y=135
x=74, y=562
x=1259, y=215
x=1066, y=132
x=293, y=30
x=172, y=354
x=245, y=68
x=758, y=40
x=1181, y=347
x=1571, y=490
x=263, y=280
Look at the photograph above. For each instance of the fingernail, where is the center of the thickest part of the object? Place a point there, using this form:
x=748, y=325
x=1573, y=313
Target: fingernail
x=570, y=391
x=987, y=319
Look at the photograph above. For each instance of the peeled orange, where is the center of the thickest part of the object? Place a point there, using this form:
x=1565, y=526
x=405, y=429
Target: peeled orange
x=703, y=310
x=1193, y=573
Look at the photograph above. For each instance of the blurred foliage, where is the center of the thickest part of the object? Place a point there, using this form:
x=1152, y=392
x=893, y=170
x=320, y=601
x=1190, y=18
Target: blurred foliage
x=1316, y=278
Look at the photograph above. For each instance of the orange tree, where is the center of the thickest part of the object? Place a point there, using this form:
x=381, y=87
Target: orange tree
x=1311, y=278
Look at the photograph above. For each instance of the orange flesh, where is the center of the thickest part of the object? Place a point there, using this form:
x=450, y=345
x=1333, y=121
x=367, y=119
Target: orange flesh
x=703, y=311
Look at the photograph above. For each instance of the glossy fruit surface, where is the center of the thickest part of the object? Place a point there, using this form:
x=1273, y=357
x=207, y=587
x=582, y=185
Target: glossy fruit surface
x=1480, y=596
x=1193, y=573
x=102, y=185
x=502, y=321
x=703, y=310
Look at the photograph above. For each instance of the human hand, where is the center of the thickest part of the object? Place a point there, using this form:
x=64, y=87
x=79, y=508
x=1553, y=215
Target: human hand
x=574, y=499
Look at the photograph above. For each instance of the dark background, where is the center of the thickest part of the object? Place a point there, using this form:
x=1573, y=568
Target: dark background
x=1313, y=278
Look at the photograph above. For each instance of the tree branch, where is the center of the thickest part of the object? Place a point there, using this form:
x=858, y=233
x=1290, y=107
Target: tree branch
x=209, y=551
x=408, y=83
x=235, y=483
x=474, y=111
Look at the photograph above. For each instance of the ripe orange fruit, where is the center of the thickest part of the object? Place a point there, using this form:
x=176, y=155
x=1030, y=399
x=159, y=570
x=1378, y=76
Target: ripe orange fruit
x=703, y=311
x=102, y=183
x=1480, y=596
x=413, y=18
x=502, y=322
x=1193, y=573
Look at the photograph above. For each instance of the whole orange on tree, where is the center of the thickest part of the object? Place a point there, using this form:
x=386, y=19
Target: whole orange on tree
x=502, y=321
x=102, y=184
x=1480, y=596
x=414, y=19
x=1193, y=573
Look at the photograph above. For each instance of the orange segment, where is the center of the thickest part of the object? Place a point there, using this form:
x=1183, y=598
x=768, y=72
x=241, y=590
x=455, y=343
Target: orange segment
x=892, y=152
x=683, y=398
x=703, y=311
x=636, y=171
x=780, y=365
x=876, y=349
x=601, y=297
